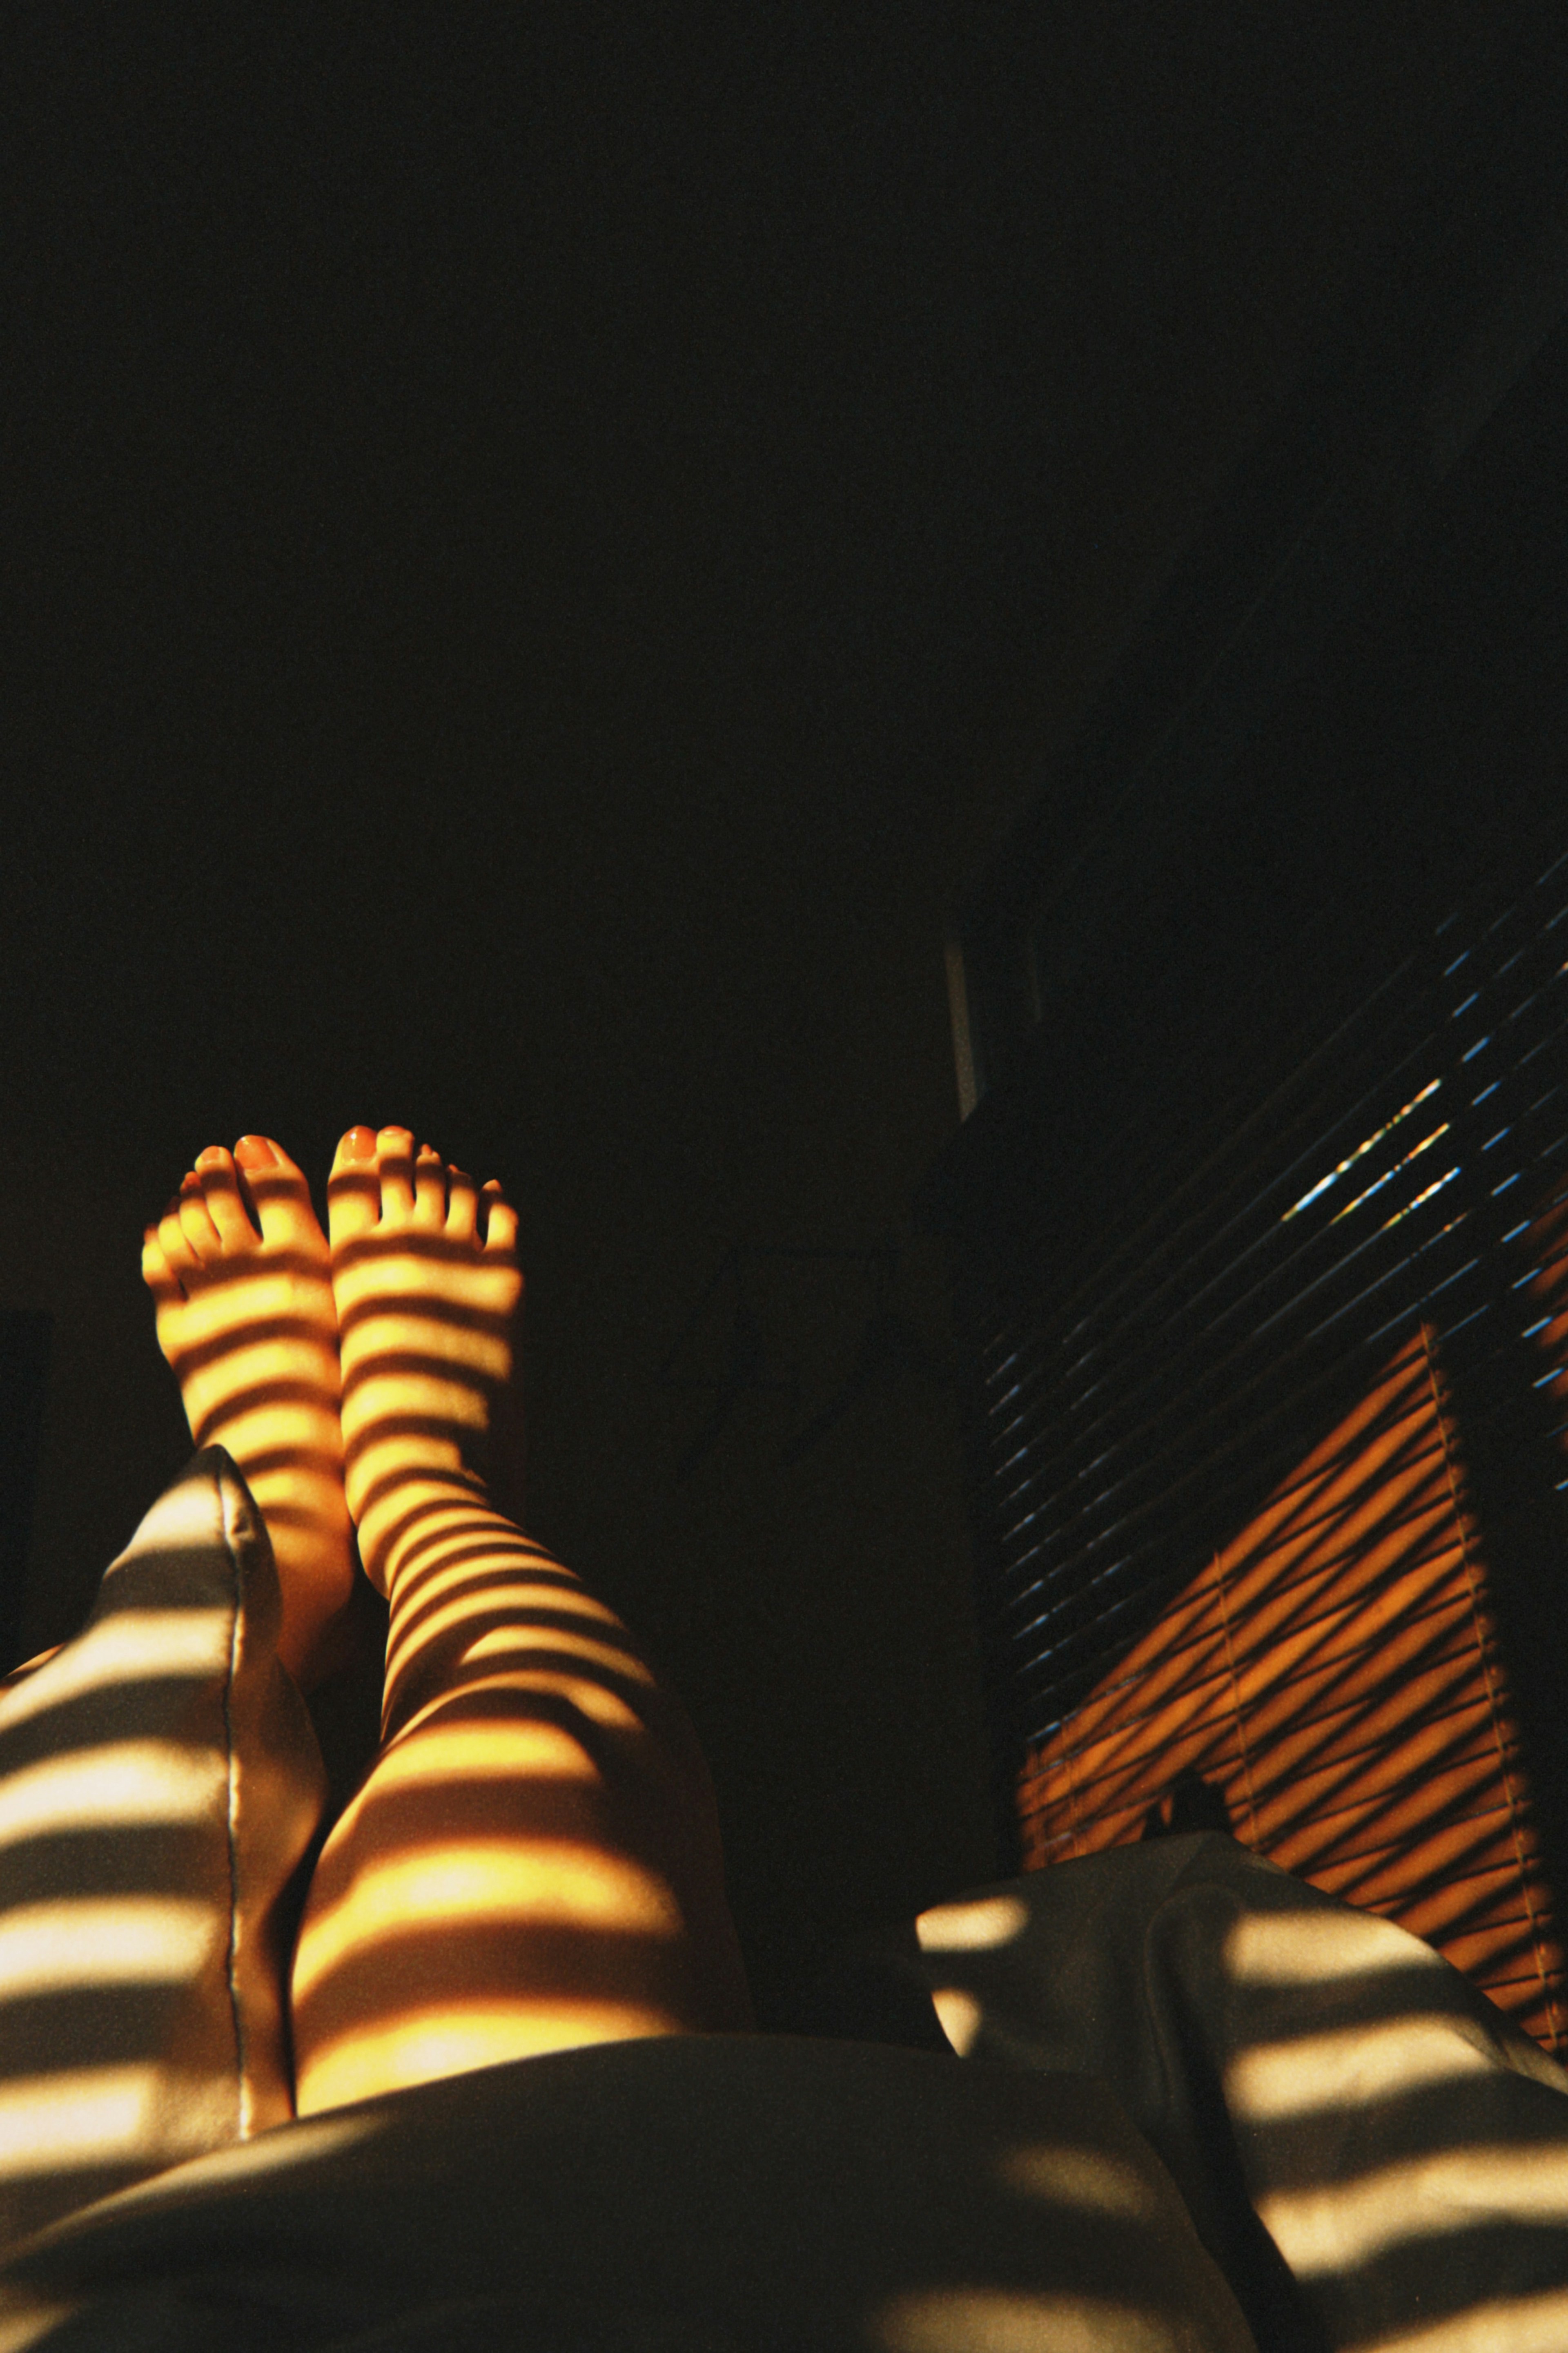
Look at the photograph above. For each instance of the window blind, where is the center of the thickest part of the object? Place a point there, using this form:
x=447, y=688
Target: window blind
x=1241, y=1446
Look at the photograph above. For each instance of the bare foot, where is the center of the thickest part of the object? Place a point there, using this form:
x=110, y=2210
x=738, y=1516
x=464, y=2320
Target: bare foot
x=425, y=1301
x=247, y=1322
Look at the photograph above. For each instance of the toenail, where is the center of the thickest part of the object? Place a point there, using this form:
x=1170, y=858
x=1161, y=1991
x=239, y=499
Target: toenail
x=211, y=1158
x=359, y=1144
x=254, y=1152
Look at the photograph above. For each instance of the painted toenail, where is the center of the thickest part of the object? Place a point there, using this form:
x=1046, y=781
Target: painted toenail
x=359, y=1144
x=254, y=1152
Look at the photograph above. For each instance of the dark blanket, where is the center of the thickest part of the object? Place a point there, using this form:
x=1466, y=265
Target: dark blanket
x=694, y=2195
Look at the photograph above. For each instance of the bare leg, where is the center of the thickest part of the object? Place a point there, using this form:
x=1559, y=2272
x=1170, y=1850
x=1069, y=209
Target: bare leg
x=239, y=1269
x=533, y=1862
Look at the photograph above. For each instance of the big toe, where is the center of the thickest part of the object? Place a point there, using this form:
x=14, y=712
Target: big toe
x=224, y=1196
x=353, y=1189
x=281, y=1196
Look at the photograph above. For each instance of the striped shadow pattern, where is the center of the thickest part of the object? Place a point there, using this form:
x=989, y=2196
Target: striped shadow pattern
x=1333, y=1675
x=1373, y=2155
x=160, y=1786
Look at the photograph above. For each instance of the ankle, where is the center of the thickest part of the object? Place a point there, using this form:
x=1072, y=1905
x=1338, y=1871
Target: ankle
x=407, y=1514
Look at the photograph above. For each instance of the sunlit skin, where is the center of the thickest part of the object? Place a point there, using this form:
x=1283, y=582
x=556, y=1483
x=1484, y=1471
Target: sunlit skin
x=534, y=1863
x=239, y=1273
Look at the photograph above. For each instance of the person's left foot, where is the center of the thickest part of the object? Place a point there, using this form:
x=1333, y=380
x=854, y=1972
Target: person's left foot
x=247, y=1321
x=426, y=1304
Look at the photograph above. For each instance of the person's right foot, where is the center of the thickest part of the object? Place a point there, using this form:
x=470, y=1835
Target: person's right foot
x=238, y=1271
x=424, y=1306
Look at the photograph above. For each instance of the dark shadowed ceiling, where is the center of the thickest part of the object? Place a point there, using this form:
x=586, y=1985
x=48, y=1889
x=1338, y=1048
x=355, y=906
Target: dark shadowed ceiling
x=523, y=525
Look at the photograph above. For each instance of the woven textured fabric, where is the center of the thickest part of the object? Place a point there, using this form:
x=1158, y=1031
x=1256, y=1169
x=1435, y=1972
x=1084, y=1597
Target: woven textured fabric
x=160, y=1785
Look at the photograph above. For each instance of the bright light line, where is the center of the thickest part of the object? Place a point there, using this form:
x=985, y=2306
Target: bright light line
x=1390, y=1174
x=1415, y=1204
x=1361, y=1151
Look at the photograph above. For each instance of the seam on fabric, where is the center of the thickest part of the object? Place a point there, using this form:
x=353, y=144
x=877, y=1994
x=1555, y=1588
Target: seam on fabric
x=232, y=1823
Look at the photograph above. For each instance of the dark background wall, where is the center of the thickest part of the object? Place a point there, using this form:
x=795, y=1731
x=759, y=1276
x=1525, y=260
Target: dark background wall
x=541, y=548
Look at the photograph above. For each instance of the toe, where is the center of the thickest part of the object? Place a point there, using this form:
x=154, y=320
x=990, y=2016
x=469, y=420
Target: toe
x=395, y=1152
x=220, y=1187
x=462, y=1206
x=178, y=1256
x=429, y=1190
x=353, y=1189
x=279, y=1190
x=156, y=1271
x=501, y=1222
x=196, y=1221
